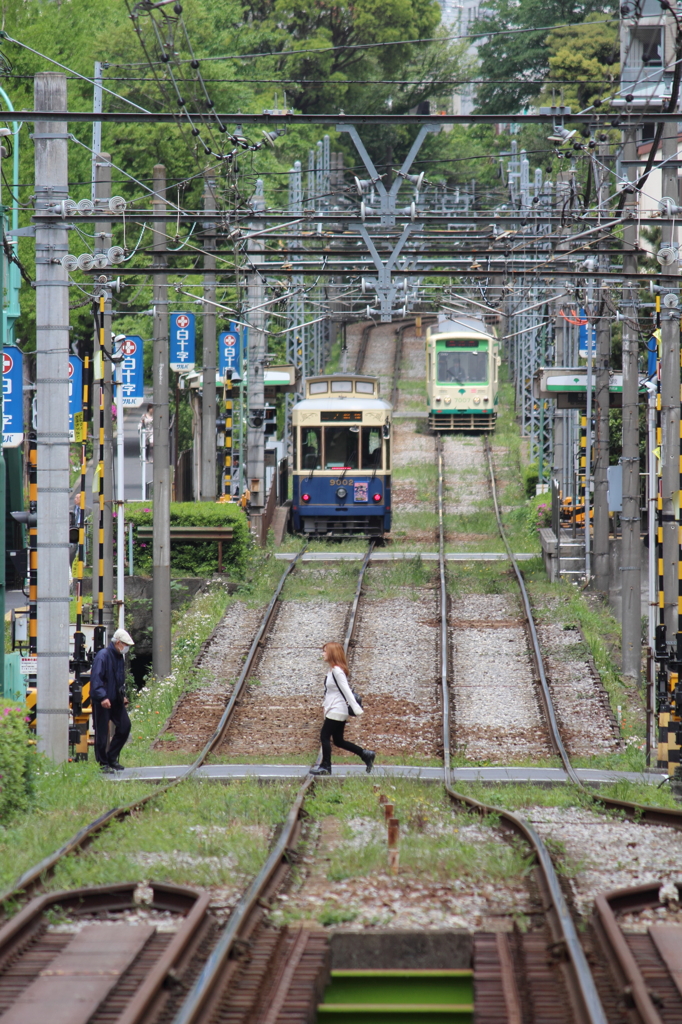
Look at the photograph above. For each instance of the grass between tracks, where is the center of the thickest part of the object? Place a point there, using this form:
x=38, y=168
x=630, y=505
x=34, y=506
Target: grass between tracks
x=66, y=797
x=346, y=847
x=195, y=834
x=517, y=796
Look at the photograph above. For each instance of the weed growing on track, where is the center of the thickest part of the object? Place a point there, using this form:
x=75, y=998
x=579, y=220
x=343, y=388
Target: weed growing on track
x=424, y=475
x=151, y=706
x=337, y=582
x=435, y=841
x=517, y=796
x=66, y=797
x=562, y=603
x=195, y=834
x=481, y=578
x=405, y=578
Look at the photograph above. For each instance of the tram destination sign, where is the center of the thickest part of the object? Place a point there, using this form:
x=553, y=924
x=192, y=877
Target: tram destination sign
x=340, y=416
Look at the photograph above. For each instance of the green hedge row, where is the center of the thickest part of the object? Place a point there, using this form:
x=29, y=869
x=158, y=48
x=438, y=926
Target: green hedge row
x=193, y=558
x=16, y=756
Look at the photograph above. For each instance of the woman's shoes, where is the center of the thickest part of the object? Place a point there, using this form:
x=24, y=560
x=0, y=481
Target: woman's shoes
x=368, y=756
x=321, y=769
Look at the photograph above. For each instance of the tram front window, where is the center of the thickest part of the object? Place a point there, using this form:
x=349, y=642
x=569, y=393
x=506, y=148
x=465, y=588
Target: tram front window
x=462, y=367
x=371, y=447
x=311, y=448
x=341, y=447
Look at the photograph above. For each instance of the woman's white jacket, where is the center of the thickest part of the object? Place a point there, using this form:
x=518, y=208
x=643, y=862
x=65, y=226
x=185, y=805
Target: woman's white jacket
x=338, y=696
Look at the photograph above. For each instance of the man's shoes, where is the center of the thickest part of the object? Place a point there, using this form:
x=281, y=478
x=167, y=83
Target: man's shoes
x=115, y=766
x=321, y=769
x=368, y=756
x=106, y=769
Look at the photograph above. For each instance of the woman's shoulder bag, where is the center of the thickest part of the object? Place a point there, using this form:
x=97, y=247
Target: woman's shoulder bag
x=356, y=696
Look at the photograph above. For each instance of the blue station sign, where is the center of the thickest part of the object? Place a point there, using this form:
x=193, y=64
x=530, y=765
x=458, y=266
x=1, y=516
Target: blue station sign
x=182, y=342
x=230, y=353
x=12, y=397
x=132, y=372
x=586, y=331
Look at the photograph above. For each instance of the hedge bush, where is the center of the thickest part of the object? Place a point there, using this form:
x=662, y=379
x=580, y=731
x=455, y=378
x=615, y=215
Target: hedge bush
x=15, y=760
x=193, y=558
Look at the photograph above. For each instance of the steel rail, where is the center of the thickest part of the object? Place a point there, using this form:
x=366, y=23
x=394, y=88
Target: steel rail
x=33, y=875
x=397, y=358
x=621, y=959
x=547, y=702
x=352, y=621
x=649, y=814
x=193, y=904
x=362, y=351
x=444, y=645
x=587, y=1005
x=210, y=977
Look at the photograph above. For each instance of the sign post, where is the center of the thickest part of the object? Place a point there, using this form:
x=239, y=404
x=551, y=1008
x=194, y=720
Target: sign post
x=132, y=386
x=229, y=345
x=75, y=397
x=12, y=397
x=182, y=338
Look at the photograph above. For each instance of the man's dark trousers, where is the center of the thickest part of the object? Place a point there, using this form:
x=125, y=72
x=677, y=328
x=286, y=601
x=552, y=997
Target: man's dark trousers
x=101, y=717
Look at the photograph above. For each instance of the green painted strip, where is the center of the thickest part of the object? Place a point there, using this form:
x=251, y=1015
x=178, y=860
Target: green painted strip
x=395, y=1008
x=465, y=972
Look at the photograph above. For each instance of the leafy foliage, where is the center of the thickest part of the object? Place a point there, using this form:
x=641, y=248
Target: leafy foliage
x=588, y=54
x=513, y=63
x=15, y=760
x=193, y=558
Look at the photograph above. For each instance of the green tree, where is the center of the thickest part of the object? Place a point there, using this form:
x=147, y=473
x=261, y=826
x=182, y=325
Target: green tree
x=515, y=64
x=587, y=56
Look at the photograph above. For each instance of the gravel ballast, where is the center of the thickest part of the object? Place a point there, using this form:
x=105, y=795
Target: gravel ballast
x=198, y=712
x=281, y=712
x=603, y=853
x=393, y=667
x=497, y=717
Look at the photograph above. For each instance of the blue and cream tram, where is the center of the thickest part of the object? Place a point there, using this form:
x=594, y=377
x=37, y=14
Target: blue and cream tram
x=342, y=458
x=462, y=378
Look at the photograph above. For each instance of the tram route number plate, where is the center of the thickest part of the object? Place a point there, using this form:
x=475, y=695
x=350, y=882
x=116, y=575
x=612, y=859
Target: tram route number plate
x=360, y=492
x=28, y=666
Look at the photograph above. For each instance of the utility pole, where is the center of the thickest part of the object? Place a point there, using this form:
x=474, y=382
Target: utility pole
x=208, y=407
x=601, y=451
x=102, y=244
x=97, y=94
x=670, y=401
x=602, y=395
x=630, y=567
x=161, y=610
x=256, y=366
x=52, y=396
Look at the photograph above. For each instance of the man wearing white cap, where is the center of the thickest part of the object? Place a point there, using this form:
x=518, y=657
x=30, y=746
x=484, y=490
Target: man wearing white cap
x=107, y=690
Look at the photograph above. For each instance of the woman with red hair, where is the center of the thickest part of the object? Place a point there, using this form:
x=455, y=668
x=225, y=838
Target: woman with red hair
x=339, y=702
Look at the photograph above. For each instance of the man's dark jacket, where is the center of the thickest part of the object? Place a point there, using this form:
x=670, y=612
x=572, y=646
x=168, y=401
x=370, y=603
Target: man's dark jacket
x=107, y=679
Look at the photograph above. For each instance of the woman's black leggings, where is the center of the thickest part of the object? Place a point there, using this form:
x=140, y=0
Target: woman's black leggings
x=333, y=730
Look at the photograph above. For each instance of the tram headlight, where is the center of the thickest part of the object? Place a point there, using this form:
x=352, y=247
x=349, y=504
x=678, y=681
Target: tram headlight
x=341, y=492
x=305, y=497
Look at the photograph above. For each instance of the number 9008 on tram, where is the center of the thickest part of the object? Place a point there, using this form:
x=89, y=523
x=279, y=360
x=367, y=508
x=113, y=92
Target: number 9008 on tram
x=342, y=458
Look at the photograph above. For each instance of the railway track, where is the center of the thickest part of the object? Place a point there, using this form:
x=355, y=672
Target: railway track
x=29, y=880
x=202, y=959
x=248, y=971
